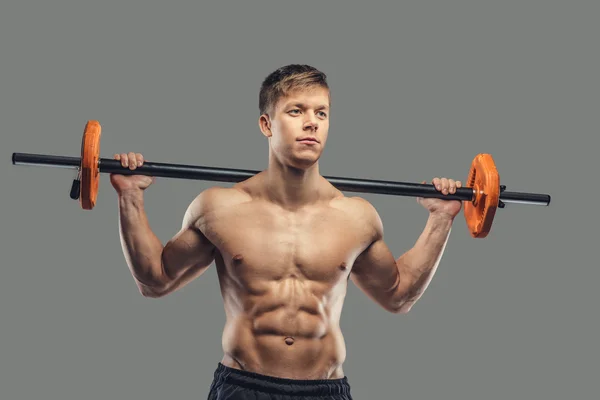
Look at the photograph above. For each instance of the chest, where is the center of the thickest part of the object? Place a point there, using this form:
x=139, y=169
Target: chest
x=261, y=242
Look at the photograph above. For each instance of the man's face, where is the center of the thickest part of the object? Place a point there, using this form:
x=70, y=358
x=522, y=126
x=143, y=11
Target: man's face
x=297, y=116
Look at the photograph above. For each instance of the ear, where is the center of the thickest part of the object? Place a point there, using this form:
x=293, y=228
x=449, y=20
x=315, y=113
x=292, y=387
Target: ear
x=264, y=123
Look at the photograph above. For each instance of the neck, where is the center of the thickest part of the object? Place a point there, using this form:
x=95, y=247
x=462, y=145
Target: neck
x=292, y=187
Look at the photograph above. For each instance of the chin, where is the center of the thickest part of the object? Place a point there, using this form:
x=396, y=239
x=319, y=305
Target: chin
x=299, y=160
x=303, y=163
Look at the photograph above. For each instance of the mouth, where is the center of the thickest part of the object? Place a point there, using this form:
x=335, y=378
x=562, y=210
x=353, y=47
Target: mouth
x=308, y=140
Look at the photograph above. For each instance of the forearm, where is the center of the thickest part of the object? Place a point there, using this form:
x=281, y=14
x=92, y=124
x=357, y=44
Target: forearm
x=141, y=247
x=418, y=265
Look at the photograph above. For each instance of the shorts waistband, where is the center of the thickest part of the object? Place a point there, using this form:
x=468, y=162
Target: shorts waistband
x=271, y=384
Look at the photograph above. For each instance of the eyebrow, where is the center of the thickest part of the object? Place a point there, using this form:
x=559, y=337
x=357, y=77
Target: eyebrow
x=302, y=105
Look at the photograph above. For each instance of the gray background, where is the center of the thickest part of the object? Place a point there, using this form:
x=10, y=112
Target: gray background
x=418, y=90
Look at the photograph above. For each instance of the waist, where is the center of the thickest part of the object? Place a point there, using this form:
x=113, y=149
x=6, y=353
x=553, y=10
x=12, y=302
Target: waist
x=225, y=375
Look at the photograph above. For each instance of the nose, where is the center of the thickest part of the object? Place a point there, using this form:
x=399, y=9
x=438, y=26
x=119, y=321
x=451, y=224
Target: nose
x=311, y=123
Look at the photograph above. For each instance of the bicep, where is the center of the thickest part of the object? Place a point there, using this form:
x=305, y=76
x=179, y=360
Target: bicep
x=189, y=249
x=375, y=271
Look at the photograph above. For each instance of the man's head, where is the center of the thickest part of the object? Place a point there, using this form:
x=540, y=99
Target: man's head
x=294, y=103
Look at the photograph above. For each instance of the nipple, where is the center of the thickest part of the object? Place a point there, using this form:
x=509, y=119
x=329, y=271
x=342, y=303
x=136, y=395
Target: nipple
x=289, y=340
x=238, y=258
x=343, y=266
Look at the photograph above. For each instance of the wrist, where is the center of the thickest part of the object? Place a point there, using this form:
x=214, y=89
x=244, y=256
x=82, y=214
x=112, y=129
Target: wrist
x=131, y=196
x=442, y=217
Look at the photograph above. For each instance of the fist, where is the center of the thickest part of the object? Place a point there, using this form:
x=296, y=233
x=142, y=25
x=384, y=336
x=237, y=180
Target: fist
x=442, y=206
x=123, y=183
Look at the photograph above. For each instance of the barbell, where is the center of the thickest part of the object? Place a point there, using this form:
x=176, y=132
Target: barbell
x=482, y=193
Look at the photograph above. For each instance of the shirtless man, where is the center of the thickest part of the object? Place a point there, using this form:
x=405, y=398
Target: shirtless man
x=285, y=243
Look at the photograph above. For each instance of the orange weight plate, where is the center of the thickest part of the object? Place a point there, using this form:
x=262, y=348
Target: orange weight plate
x=485, y=181
x=90, y=172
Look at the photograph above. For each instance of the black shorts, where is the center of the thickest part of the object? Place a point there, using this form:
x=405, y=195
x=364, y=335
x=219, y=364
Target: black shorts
x=233, y=384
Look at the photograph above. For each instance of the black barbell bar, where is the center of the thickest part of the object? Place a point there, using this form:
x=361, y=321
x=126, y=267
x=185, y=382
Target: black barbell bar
x=182, y=171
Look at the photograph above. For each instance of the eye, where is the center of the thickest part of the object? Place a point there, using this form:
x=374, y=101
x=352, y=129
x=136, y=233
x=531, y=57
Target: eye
x=323, y=114
x=294, y=110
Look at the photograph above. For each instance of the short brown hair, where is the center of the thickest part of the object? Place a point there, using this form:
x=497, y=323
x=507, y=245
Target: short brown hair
x=285, y=79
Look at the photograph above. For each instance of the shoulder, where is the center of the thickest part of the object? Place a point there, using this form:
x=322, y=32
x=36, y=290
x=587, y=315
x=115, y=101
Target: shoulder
x=214, y=199
x=364, y=212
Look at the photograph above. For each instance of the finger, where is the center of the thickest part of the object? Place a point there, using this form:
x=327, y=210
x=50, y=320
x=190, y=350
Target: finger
x=117, y=156
x=132, y=160
x=437, y=183
x=444, y=185
x=124, y=159
x=458, y=184
x=140, y=159
x=451, y=186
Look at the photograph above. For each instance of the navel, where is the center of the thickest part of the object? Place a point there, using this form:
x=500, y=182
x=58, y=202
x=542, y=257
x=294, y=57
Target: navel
x=289, y=340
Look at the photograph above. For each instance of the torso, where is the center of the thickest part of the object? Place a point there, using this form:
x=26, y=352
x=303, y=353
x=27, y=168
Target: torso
x=283, y=277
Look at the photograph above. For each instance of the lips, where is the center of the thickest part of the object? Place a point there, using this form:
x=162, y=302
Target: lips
x=308, y=139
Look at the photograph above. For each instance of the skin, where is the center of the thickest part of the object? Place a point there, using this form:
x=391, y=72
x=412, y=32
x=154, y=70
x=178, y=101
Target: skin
x=285, y=243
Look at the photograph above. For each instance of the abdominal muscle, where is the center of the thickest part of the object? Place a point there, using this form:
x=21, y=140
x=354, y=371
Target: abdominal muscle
x=288, y=328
